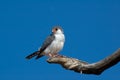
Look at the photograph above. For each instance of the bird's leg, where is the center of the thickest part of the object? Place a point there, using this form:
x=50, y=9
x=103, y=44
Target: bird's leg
x=48, y=55
x=51, y=55
x=57, y=55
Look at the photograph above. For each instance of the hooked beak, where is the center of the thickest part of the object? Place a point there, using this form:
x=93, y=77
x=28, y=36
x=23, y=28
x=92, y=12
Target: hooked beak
x=53, y=31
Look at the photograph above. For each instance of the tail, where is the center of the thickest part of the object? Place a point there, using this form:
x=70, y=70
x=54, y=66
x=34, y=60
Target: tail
x=39, y=56
x=33, y=55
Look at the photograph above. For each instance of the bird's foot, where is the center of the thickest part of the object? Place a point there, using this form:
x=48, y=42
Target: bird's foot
x=55, y=55
x=58, y=56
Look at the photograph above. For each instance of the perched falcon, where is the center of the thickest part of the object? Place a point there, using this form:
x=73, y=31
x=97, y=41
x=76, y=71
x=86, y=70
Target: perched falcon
x=52, y=45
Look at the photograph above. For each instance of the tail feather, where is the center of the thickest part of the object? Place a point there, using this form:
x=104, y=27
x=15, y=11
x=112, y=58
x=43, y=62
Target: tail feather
x=33, y=55
x=39, y=56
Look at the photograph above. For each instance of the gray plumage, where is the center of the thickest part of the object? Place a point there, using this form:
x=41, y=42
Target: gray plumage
x=52, y=45
x=46, y=43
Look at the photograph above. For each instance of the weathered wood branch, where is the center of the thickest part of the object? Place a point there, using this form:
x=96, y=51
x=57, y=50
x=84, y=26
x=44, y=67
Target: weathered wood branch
x=84, y=67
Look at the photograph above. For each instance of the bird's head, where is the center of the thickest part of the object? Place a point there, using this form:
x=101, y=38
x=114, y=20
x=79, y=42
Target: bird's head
x=57, y=30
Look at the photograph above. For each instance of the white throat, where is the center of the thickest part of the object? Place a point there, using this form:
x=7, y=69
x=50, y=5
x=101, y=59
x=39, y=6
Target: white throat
x=59, y=32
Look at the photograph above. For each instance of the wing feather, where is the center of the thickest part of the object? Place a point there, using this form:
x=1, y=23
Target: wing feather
x=46, y=43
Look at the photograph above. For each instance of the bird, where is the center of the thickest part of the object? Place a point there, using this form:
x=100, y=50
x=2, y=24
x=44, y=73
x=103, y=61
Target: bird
x=52, y=45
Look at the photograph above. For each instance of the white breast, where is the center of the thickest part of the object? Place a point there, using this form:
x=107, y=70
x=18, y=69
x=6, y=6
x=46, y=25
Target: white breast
x=56, y=45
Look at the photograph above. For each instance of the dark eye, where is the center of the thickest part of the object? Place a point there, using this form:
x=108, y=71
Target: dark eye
x=56, y=29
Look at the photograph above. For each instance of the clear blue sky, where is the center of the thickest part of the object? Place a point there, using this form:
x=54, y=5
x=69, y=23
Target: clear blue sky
x=92, y=30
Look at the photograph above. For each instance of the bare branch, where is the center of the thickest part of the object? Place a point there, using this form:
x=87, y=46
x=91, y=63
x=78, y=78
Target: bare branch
x=84, y=67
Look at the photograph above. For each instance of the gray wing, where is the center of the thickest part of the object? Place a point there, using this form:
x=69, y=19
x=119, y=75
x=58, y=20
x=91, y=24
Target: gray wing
x=47, y=42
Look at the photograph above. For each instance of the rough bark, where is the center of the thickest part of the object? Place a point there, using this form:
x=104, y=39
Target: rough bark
x=84, y=67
